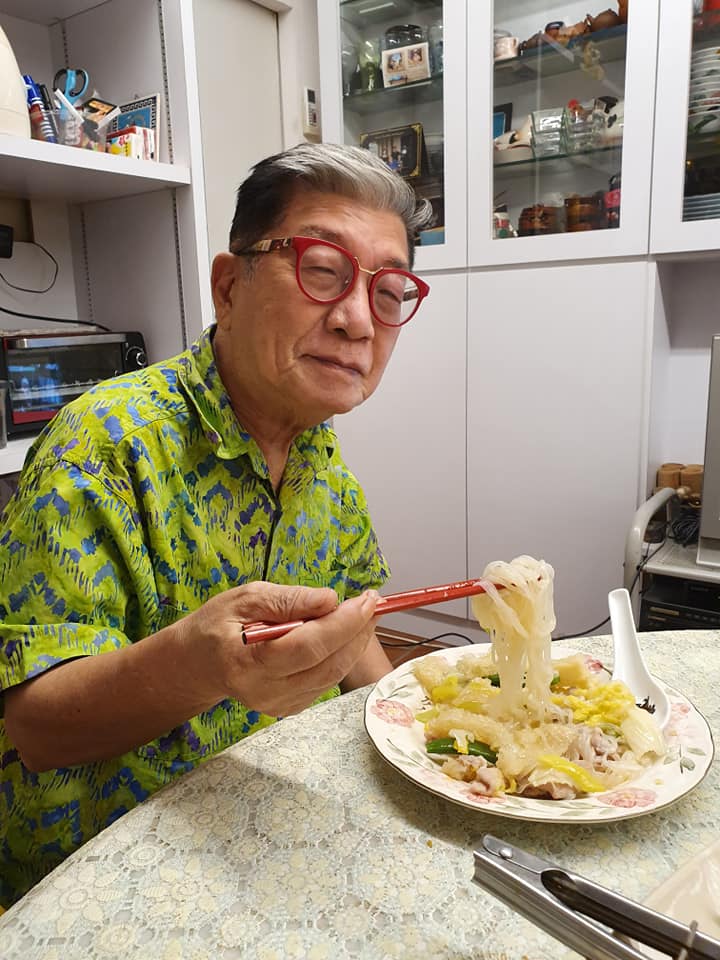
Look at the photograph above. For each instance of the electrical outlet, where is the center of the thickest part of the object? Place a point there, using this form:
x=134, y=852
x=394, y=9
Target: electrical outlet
x=6, y=241
x=310, y=113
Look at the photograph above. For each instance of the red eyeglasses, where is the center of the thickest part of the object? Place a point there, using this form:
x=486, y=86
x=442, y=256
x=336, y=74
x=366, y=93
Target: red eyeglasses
x=326, y=273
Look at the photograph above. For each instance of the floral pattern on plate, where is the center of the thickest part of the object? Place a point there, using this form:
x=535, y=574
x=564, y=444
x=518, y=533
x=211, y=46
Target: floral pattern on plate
x=389, y=721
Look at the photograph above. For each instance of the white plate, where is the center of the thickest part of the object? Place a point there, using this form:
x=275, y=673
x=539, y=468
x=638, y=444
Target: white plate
x=706, y=90
x=705, y=213
x=691, y=893
x=703, y=198
x=391, y=725
x=705, y=70
x=704, y=122
x=708, y=54
x=710, y=99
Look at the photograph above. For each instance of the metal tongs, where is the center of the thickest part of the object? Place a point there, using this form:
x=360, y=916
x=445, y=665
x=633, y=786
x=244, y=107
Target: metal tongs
x=584, y=916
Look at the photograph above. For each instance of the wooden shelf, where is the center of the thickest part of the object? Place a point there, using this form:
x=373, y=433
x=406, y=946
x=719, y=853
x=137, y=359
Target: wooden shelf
x=37, y=170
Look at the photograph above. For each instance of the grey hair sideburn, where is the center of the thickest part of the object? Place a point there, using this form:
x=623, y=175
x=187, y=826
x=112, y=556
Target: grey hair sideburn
x=351, y=172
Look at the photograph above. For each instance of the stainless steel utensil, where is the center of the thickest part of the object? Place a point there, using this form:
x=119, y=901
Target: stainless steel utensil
x=583, y=915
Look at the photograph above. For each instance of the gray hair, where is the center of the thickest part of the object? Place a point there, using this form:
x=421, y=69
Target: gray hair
x=348, y=171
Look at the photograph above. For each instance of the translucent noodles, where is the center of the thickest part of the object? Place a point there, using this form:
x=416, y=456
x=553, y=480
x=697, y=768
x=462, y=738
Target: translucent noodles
x=509, y=719
x=520, y=621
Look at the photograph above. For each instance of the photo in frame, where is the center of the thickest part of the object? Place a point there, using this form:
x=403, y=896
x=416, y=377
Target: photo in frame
x=401, y=65
x=401, y=148
x=502, y=119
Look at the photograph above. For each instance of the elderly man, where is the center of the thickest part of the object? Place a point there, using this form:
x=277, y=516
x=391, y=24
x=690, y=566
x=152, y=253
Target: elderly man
x=164, y=509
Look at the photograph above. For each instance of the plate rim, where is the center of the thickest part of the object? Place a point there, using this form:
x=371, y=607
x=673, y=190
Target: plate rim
x=614, y=813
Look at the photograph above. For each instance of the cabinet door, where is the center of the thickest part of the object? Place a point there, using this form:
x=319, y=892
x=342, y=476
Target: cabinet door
x=560, y=130
x=556, y=400
x=406, y=445
x=686, y=173
x=393, y=79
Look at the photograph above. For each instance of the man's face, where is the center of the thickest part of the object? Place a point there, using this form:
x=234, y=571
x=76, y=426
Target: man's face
x=286, y=358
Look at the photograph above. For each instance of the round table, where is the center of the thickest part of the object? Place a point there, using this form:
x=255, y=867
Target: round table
x=301, y=842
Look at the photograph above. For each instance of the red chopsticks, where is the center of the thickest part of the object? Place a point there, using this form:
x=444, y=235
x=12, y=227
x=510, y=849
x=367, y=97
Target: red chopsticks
x=257, y=632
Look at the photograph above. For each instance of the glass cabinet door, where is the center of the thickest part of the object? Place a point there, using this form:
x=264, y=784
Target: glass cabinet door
x=701, y=187
x=390, y=91
x=558, y=118
x=686, y=174
x=570, y=101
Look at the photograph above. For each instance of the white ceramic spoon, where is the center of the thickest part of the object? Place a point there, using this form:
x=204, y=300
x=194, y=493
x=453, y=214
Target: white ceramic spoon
x=629, y=664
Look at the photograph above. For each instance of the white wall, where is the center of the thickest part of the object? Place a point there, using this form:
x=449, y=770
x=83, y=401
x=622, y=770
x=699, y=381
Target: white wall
x=29, y=266
x=300, y=64
x=687, y=316
x=239, y=86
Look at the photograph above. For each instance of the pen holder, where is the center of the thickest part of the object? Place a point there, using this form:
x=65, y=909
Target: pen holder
x=73, y=132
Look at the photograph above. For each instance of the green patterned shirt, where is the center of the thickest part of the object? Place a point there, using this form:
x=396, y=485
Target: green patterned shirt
x=141, y=500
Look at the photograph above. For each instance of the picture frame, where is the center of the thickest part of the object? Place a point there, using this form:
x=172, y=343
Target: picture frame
x=502, y=119
x=400, y=147
x=142, y=112
x=401, y=65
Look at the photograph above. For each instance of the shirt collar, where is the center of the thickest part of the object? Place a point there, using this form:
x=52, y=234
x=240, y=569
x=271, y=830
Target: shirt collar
x=199, y=375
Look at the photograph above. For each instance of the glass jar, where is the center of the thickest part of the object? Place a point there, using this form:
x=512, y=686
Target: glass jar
x=612, y=202
x=368, y=56
x=403, y=35
x=435, y=41
x=584, y=213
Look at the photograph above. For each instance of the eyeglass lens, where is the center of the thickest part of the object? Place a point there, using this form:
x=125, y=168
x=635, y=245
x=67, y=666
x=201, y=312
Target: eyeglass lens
x=326, y=273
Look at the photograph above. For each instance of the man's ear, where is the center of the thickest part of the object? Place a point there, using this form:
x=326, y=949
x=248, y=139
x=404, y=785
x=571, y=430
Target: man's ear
x=222, y=280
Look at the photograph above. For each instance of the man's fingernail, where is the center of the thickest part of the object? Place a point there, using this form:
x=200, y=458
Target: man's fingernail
x=370, y=598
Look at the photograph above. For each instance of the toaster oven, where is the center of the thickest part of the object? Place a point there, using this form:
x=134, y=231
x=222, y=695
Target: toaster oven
x=46, y=369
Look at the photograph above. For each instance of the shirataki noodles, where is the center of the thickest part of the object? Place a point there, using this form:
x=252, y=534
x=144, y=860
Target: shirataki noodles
x=513, y=720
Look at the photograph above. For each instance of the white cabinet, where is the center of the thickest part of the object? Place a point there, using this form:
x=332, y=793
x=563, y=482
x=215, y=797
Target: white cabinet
x=617, y=62
x=550, y=188
x=352, y=110
x=686, y=171
x=406, y=445
x=556, y=396
x=138, y=257
x=587, y=360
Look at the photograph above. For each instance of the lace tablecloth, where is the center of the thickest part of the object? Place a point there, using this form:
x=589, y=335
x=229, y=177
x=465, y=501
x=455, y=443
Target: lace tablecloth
x=301, y=842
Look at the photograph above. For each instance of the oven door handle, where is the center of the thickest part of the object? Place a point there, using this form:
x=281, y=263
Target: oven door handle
x=27, y=343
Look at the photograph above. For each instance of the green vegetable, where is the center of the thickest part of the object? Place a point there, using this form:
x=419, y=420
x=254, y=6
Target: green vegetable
x=494, y=679
x=448, y=746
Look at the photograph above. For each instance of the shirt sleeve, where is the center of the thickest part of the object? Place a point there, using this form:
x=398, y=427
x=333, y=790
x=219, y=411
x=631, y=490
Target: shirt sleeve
x=66, y=551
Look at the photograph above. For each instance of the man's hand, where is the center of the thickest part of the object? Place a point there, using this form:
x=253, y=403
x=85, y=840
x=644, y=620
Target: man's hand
x=284, y=675
x=97, y=707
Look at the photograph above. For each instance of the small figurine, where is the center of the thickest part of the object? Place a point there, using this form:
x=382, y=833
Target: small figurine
x=566, y=34
x=591, y=61
x=603, y=21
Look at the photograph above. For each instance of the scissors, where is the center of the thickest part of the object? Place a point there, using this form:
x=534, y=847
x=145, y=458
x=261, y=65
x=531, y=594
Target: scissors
x=72, y=83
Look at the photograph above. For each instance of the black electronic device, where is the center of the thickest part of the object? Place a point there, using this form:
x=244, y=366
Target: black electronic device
x=47, y=369
x=6, y=241
x=677, y=603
